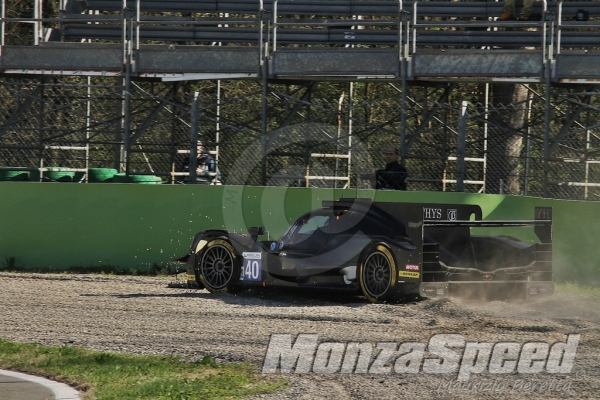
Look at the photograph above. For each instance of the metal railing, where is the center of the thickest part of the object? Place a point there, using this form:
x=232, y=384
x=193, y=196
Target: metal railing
x=420, y=24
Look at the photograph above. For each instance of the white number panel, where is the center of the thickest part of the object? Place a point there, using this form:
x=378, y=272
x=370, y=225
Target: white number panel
x=251, y=268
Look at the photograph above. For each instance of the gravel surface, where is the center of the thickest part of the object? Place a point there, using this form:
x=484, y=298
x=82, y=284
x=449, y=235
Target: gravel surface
x=145, y=315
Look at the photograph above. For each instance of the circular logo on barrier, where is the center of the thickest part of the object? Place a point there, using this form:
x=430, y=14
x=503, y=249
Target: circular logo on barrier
x=286, y=159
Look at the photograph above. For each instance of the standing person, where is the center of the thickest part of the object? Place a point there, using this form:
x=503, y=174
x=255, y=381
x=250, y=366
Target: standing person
x=508, y=12
x=206, y=168
x=393, y=176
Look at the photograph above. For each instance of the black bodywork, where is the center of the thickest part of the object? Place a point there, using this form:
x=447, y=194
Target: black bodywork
x=384, y=250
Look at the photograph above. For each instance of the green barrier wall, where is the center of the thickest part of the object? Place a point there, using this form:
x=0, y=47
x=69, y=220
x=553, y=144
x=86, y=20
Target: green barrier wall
x=134, y=227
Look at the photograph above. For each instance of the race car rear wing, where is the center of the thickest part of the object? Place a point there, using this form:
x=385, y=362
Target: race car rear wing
x=462, y=217
x=489, y=265
x=483, y=263
x=542, y=223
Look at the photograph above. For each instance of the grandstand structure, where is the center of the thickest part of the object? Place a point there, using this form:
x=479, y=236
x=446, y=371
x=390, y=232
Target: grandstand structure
x=131, y=84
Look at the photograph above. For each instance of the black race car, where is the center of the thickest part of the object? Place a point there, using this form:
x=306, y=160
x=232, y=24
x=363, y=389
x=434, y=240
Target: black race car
x=386, y=251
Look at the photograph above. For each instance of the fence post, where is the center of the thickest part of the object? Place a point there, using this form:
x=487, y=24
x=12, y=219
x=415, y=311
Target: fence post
x=403, y=66
x=548, y=70
x=126, y=82
x=2, y=23
x=194, y=138
x=265, y=23
x=460, y=156
x=528, y=144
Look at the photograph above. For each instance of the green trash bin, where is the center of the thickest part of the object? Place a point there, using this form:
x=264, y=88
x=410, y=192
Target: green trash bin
x=14, y=175
x=53, y=174
x=101, y=174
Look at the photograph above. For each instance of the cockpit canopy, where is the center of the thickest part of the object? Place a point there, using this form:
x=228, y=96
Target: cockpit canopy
x=314, y=229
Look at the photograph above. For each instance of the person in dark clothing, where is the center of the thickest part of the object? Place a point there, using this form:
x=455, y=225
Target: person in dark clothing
x=393, y=176
x=206, y=168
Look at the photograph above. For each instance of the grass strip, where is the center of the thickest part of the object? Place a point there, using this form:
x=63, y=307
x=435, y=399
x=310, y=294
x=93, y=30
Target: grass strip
x=103, y=375
x=571, y=287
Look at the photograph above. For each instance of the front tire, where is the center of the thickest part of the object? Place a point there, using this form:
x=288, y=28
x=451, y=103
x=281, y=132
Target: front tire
x=377, y=274
x=192, y=265
x=218, y=268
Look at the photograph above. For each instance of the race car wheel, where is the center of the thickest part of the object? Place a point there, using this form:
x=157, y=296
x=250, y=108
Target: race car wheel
x=377, y=274
x=218, y=268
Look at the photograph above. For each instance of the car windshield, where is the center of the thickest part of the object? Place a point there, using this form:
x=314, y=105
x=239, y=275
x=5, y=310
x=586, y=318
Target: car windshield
x=316, y=229
x=305, y=225
x=313, y=223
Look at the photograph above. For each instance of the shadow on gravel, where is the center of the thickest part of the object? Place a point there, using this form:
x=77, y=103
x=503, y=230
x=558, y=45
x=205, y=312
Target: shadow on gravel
x=260, y=297
x=289, y=297
x=312, y=297
x=137, y=295
x=275, y=297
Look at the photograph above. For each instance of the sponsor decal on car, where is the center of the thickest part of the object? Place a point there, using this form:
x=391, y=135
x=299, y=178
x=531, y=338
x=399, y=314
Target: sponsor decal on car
x=452, y=214
x=252, y=267
x=409, y=274
x=412, y=267
x=432, y=213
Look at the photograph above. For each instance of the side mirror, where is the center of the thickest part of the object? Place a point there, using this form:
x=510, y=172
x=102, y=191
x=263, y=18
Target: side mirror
x=256, y=231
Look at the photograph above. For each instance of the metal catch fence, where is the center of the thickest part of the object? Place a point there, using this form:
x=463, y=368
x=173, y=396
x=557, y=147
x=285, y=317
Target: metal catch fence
x=316, y=135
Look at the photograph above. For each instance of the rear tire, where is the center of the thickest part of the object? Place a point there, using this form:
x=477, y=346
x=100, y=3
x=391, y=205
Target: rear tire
x=218, y=269
x=377, y=274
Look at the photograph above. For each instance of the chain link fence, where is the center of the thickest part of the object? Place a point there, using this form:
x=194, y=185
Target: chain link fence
x=325, y=134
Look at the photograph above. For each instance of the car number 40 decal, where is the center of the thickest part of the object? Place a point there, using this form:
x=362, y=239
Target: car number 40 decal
x=252, y=267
